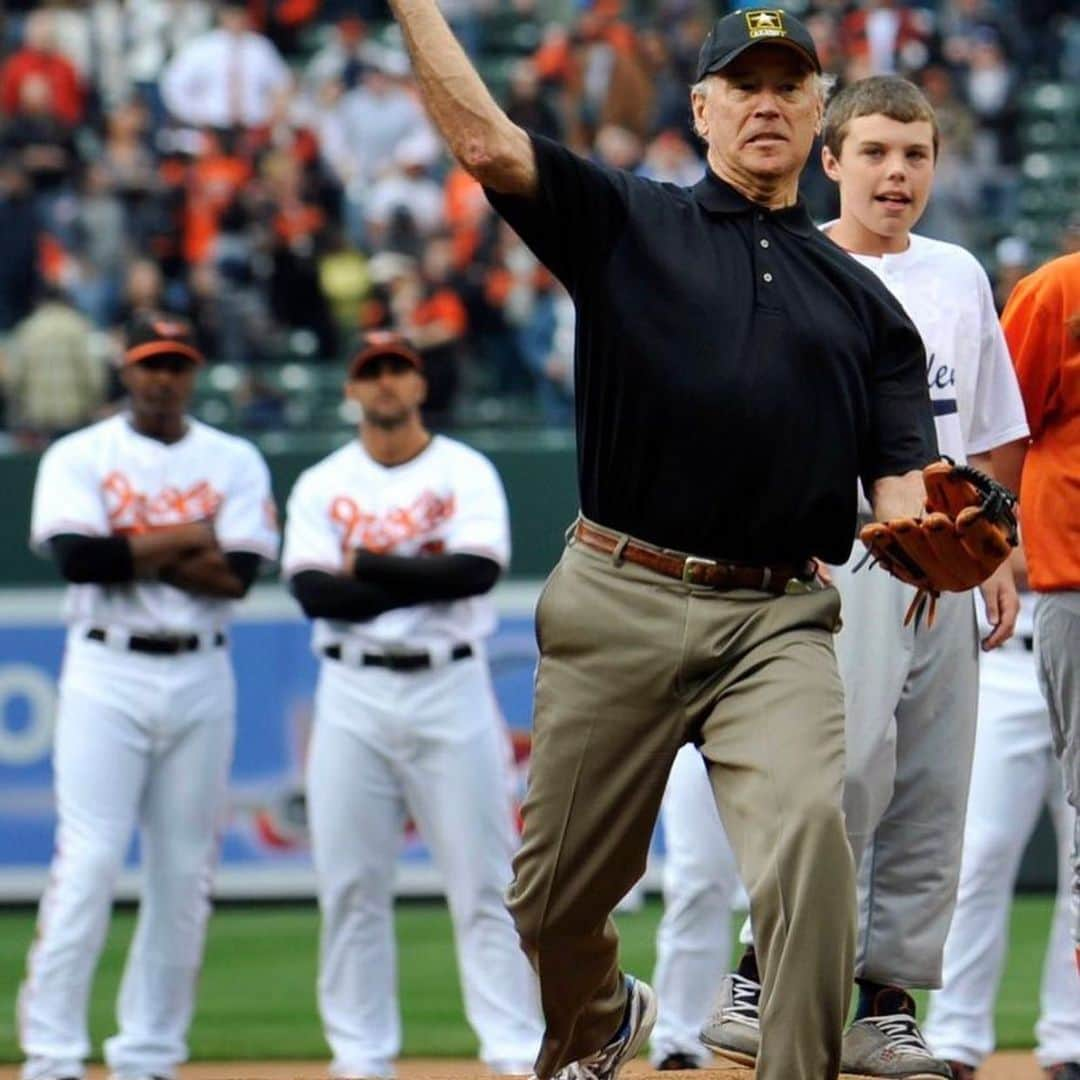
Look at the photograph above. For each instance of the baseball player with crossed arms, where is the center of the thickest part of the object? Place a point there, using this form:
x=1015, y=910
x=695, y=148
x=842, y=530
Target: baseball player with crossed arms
x=158, y=522
x=910, y=697
x=391, y=544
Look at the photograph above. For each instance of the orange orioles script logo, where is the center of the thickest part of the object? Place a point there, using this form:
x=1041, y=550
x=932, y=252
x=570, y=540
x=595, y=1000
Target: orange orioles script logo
x=131, y=512
x=382, y=533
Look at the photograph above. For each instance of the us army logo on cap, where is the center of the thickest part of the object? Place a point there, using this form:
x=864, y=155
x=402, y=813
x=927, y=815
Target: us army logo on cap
x=765, y=24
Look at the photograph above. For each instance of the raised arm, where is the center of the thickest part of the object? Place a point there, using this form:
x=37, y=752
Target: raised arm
x=486, y=142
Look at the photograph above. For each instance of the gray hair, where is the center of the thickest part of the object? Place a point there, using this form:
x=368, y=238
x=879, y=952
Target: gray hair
x=823, y=85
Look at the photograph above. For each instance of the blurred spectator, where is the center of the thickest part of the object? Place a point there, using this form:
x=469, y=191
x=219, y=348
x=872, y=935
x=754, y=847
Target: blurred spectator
x=669, y=159
x=1012, y=261
x=405, y=207
x=102, y=248
x=53, y=378
x=230, y=77
x=954, y=201
x=296, y=224
x=1070, y=238
x=343, y=59
x=887, y=36
x=424, y=302
x=362, y=131
x=42, y=143
x=39, y=59
x=618, y=148
x=156, y=30
x=526, y=104
x=345, y=282
x=18, y=245
x=143, y=291
x=542, y=315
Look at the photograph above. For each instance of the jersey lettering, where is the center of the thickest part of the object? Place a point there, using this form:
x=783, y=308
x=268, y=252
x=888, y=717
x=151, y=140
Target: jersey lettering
x=381, y=533
x=132, y=512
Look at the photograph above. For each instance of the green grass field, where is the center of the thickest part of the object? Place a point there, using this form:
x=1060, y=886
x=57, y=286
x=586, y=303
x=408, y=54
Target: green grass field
x=257, y=995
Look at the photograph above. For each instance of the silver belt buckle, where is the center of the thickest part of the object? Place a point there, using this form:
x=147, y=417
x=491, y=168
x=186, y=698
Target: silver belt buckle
x=692, y=561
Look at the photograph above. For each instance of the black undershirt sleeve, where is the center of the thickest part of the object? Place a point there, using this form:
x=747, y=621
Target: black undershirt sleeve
x=429, y=577
x=101, y=560
x=329, y=596
x=245, y=565
x=386, y=582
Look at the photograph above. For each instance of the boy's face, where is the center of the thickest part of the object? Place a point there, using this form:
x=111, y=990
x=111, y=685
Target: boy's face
x=885, y=171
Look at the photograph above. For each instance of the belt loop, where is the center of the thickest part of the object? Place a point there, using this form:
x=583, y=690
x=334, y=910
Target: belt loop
x=571, y=530
x=620, y=547
x=766, y=577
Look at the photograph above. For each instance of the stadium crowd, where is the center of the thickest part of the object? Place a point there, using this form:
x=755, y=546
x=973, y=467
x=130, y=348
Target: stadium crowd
x=265, y=168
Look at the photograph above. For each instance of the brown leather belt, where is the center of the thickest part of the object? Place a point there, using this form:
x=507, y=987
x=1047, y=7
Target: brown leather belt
x=693, y=570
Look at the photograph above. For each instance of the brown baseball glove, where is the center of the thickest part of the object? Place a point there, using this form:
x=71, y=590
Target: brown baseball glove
x=967, y=532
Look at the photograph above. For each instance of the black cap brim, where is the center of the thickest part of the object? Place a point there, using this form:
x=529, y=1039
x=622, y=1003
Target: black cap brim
x=718, y=65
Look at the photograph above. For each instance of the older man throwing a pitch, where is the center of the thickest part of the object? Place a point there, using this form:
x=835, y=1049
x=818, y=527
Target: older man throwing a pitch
x=736, y=374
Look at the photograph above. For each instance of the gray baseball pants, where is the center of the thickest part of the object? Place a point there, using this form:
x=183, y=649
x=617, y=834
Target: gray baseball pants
x=1057, y=653
x=911, y=704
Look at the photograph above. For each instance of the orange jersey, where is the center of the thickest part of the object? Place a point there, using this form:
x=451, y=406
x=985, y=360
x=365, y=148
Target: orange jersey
x=1042, y=325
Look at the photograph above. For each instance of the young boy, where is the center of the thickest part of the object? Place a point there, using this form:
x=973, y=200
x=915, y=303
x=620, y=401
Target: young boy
x=911, y=697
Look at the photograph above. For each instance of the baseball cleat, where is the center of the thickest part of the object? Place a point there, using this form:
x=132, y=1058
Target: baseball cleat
x=960, y=1071
x=637, y=1025
x=733, y=1030
x=890, y=1048
x=1067, y=1070
x=678, y=1063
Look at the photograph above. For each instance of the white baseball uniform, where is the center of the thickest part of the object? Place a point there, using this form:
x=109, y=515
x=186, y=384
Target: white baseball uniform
x=141, y=740
x=911, y=697
x=1014, y=753
x=428, y=744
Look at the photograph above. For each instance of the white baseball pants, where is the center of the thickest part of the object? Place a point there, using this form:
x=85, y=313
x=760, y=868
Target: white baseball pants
x=140, y=741
x=427, y=745
x=1013, y=755
x=700, y=882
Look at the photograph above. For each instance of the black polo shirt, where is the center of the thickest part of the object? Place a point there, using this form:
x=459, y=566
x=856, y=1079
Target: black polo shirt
x=737, y=372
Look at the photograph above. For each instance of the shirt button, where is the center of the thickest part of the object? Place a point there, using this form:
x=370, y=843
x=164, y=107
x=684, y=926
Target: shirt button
x=766, y=277
x=764, y=243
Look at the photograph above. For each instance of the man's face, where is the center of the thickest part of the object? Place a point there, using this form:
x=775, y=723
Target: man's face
x=160, y=386
x=760, y=114
x=389, y=390
x=885, y=171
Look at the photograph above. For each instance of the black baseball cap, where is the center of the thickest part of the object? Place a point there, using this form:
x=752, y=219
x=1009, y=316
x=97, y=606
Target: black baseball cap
x=160, y=334
x=741, y=30
x=379, y=343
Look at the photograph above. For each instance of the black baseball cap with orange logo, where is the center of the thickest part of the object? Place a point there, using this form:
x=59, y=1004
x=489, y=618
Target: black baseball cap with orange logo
x=379, y=343
x=741, y=30
x=161, y=334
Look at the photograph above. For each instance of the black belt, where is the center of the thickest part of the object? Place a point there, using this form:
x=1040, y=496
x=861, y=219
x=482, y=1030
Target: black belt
x=1029, y=642
x=165, y=645
x=417, y=661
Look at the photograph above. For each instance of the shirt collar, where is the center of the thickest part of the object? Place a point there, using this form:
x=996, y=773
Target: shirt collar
x=719, y=197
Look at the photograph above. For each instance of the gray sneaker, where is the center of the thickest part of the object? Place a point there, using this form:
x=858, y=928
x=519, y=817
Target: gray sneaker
x=890, y=1048
x=606, y=1063
x=733, y=1030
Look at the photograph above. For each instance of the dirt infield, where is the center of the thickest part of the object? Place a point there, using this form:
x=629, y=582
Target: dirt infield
x=1012, y=1066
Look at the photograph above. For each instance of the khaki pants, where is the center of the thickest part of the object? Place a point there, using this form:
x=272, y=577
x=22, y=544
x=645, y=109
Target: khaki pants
x=632, y=666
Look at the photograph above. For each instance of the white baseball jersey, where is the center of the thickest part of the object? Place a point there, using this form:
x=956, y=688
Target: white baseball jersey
x=108, y=480
x=973, y=389
x=446, y=500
